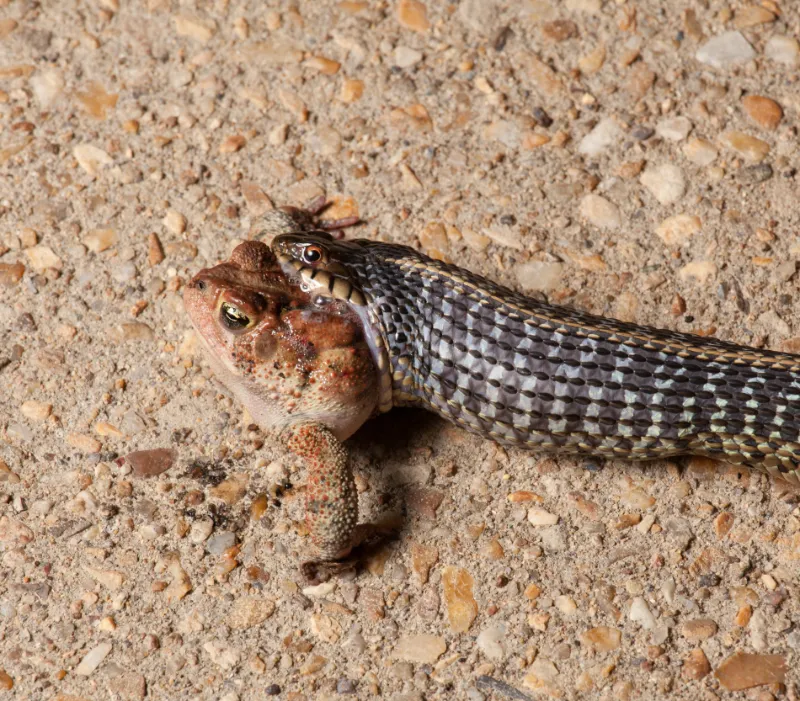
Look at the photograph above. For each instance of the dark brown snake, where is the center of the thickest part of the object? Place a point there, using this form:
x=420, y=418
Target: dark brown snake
x=541, y=376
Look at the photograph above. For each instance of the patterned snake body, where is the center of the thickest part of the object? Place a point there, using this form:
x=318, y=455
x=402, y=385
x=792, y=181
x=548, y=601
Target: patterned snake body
x=540, y=376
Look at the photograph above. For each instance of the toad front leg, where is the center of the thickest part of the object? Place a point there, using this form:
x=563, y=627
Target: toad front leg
x=331, y=499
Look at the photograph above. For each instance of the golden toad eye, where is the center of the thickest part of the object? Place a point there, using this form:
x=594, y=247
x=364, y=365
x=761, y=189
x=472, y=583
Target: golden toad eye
x=312, y=254
x=232, y=318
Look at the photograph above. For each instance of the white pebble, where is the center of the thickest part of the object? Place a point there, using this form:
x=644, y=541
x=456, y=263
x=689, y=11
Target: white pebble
x=665, y=182
x=725, y=50
x=539, y=276
x=674, y=128
x=785, y=50
x=605, y=134
x=491, y=642
x=601, y=212
x=640, y=613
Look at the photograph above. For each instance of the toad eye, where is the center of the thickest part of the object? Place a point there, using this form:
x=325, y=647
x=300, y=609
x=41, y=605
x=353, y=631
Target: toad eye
x=232, y=318
x=312, y=254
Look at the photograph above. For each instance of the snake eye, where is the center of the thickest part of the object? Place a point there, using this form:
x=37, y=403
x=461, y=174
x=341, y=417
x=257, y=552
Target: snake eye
x=312, y=254
x=232, y=318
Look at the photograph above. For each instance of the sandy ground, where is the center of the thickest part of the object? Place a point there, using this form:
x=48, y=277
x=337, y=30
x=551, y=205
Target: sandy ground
x=614, y=155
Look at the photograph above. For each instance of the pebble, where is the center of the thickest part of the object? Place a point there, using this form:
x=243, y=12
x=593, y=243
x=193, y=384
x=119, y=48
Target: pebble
x=679, y=229
x=491, y=641
x=700, y=270
x=99, y=240
x=539, y=276
x=43, y=258
x=47, y=86
x=751, y=16
x=665, y=182
x=232, y=489
x=602, y=639
x=540, y=517
x=93, y=659
x=83, y=443
x=763, y=110
x=411, y=14
x=784, y=50
x=249, y=612
x=457, y=591
x=151, y=463
x=749, y=147
x=695, y=665
x=6, y=682
x=219, y=543
x=699, y=629
x=36, y=411
x=14, y=533
x=405, y=57
x=174, y=222
x=110, y=579
x=351, y=91
x=674, y=128
x=422, y=648
x=701, y=152
x=222, y=654
x=11, y=273
x=541, y=676
x=180, y=585
x=725, y=50
x=752, y=175
x=91, y=158
x=593, y=61
x=601, y=212
x=198, y=28
x=640, y=613
x=744, y=671
x=605, y=134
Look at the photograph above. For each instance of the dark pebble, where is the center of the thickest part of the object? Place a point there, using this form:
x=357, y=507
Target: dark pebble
x=642, y=133
x=272, y=690
x=542, y=118
x=708, y=580
x=346, y=686
x=755, y=174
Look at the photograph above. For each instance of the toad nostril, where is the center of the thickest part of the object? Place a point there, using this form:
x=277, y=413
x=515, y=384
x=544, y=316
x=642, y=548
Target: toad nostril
x=200, y=285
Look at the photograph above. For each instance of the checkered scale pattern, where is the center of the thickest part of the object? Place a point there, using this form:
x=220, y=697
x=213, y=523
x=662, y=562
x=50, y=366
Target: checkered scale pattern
x=539, y=376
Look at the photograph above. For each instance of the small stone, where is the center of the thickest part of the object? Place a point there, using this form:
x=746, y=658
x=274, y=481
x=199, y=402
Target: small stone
x=351, y=90
x=725, y=50
x=640, y=613
x=232, y=489
x=752, y=175
x=700, y=152
x=749, y=147
x=461, y=605
x=323, y=65
x=744, y=671
x=47, y=86
x=83, y=443
x=540, y=517
x=99, y=240
x=43, y=258
x=404, y=57
x=220, y=542
x=197, y=28
x=36, y=411
x=423, y=557
x=91, y=158
x=674, y=129
x=326, y=628
x=11, y=273
x=294, y=104
x=541, y=676
x=6, y=682
x=602, y=639
x=665, y=182
x=762, y=110
x=412, y=14
x=491, y=642
x=782, y=49
x=249, y=612
x=699, y=629
x=637, y=498
x=638, y=80
x=93, y=659
x=752, y=16
x=700, y=270
x=222, y=654
x=695, y=665
x=151, y=463
x=679, y=229
x=129, y=686
x=110, y=579
x=180, y=585
x=723, y=524
x=560, y=30
x=422, y=648
x=96, y=101
x=539, y=276
x=232, y=144
x=600, y=212
x=566, y=605
x=14, y=533
x=155, y=251
x=134, y=331
x=605, y=134
x=593, y=61
x=174, y=222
